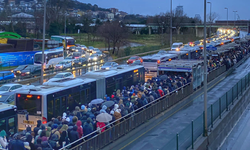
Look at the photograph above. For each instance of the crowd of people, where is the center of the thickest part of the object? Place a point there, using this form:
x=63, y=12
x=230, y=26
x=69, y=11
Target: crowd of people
x=72, y=126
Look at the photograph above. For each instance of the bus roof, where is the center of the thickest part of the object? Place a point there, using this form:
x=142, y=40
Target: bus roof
x=50, y=51
x=159, y=56
x=62, y=37
x=179, y=65
x=4, y=107
x=54, y=86
x=108, y=73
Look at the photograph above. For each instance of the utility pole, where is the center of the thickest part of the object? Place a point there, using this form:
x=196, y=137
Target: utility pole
x=210, y=31
x=43, y=46
x=234, y=17
x=227, y=15
x=162, y=42
x=65, y=40
x=171, y=14
x=205, y=72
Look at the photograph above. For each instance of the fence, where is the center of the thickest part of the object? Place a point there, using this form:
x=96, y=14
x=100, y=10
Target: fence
x=195, y=129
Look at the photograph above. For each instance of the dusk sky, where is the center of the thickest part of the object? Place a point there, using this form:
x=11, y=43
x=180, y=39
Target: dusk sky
x=191, y=7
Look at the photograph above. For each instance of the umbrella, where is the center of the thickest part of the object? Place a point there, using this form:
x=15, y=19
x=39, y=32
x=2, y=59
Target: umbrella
x=104, y=117
x=108, y=103
x=164, y=77
x=96, y=101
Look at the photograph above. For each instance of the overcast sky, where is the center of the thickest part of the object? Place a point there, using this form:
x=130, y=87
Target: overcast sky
x=191, y=7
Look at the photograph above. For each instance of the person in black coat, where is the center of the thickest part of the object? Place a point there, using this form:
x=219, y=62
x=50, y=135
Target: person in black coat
x=16, y=144
x=38, y=126
x=73, y=136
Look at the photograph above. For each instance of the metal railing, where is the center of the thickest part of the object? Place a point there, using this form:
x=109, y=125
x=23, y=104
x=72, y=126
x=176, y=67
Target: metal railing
x=131, y=121
x=186, y=138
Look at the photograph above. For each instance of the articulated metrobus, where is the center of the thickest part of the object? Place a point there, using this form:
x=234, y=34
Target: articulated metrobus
x=51, y=58
x=8, y=118
x=53, y=98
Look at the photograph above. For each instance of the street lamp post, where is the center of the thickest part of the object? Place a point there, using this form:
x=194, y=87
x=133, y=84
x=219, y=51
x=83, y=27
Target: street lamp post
x=210, y=17
x=227, y=15
x=205, y=72
x=65, y=40
x=171, y=23
x=234, y=17
x=43, y=46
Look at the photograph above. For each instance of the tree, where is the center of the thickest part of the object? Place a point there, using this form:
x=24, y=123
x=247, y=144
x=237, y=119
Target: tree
x=213, y=16
x=114, y=34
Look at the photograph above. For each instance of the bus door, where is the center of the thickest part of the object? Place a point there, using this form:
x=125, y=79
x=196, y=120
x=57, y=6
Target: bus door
x=85, y=97
x=118, y=83
x=60, y=106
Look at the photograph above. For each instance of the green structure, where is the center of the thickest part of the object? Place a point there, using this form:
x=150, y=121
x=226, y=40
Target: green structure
x=9, y=35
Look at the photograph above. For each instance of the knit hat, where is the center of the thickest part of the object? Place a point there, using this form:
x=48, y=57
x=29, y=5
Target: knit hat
x=83, y=107
x=54, y=126
x=89, y=109
x=2, y=133
x=67, y=119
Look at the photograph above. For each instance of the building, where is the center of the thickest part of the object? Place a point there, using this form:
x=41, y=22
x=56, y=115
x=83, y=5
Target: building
x=122, y=14
x=114, y=10
x=179, y=11
x=197, y=16
x=110, y=16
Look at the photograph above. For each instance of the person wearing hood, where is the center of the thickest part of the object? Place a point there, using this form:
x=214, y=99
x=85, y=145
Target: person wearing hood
x=55, y=130
x=90, y=114
x=79, y=128
x=104, y=108
x=48, y=132
x=38, y=135
x=16, y=144
x=38, y=126
x=43, y=136
x=87, y=128
x=73, y=135
x=64, y=138
x=117, y=113
x=3, y=140
x=64, y=116
x=53, y=142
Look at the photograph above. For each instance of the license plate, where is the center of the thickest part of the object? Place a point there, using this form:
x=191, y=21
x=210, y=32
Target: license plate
x=28, y=122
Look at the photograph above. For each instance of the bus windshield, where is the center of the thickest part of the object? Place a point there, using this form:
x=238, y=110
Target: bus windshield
x=70, y=42
x=30, y=103
x=38, y=58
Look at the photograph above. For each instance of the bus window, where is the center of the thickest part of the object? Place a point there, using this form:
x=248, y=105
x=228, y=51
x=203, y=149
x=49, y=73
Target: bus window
x=31, y=103
x=83, y=96
x=2, y=124
x=50, y=105
x=64, y=105
x=11, y=125
x=76, y=97
x=58, y=110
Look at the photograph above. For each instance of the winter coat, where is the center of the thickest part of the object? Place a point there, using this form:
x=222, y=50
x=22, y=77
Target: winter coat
x=161, y=92
x=3, y=142
x=53, y=141
x=79, y=128
x=87, y=129
x=55, y=131
x=73, y=135
x=64, y=138
x=101, y=125
x=48, y=132
x=16, y=145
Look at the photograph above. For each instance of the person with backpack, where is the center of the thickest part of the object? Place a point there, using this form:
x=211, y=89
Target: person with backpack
x=64, y=139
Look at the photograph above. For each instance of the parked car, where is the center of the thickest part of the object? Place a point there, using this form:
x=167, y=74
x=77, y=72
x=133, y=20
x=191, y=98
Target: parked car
x=133, y=58
x=8, y=97
x=67, y=63
x=10, y=87
x=80, y=62
x=31, y=70
x=18, y=70
x=109, y=65
x=95, y=57
x=6, y=75
x=62, y=75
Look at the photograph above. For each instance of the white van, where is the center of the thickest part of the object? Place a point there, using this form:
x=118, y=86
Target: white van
x=176, y=46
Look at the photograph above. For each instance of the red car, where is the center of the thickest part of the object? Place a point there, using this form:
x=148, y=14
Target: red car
x=134, y=58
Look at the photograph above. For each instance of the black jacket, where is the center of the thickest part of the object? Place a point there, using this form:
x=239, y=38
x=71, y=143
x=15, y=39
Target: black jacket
x=73, y=135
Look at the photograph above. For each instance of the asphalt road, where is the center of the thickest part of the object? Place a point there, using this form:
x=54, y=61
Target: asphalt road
x=156, y=136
